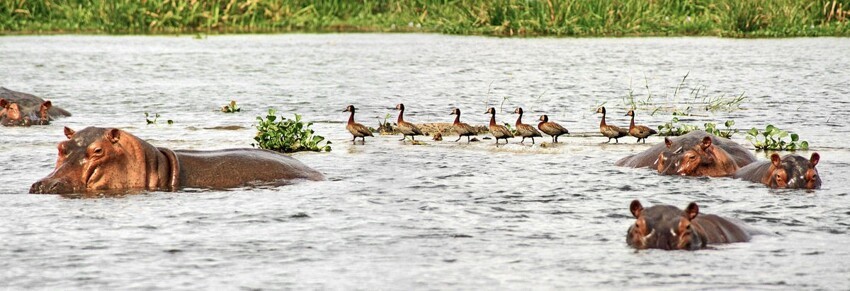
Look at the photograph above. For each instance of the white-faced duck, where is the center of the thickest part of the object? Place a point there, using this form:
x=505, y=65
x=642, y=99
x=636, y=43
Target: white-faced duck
x=461, y=128
x=525, y=130
x=610, y=131
x=669, y=228
x=356, y=129
x=791, y=171
x=406, y=128
x=551, y=128
x=498, y=131
x=639, y=131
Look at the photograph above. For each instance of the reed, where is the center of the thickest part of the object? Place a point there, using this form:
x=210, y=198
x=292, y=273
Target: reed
x=731, y=18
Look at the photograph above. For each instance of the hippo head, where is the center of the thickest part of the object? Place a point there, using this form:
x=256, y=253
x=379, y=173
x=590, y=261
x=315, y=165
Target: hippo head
x=664, y=227
x=12, y=115
x=685, y=236
x=668, y=160
x=102, y=159
x=794, y=171
x=703, y=159
x=652, y=227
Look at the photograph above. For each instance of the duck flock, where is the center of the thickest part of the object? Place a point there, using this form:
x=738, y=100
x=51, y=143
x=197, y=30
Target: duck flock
x=499, y=131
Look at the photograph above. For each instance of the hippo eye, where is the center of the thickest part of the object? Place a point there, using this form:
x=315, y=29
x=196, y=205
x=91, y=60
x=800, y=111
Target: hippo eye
x=98, y=151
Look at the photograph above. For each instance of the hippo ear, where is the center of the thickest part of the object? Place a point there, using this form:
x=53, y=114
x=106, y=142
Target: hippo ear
x=47, y=104
x=3, y=103
x=814, y=160
x=113, y=135
x=691, y=211
x=636, y=208
x=776, y=160
x=706, y=142
x=668, y=142
x=69, y=132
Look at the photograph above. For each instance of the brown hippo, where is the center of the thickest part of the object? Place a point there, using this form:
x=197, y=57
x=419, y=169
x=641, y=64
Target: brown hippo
x=12, y=115
x=697, y=153
x=669, y=228
x=29, y=103
x=96, y=160
x=790, y=171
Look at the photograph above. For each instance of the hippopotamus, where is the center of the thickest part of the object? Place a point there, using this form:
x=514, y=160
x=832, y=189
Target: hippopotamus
x=790, y=171
x=697, y=153
x=12, y=115
x=669, y=228
x=22, y=109
x=109, y=160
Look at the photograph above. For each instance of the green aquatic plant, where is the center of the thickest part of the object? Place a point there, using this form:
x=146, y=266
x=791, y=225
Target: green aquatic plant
x=774, y=139
x=711, y=128
x=726, y=18
x=155, y=118
x=231, y=108
x=676, y=103
x=675, y=128
x=287, y=135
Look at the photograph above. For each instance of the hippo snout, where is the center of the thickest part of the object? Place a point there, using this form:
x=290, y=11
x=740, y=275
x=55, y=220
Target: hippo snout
x=50, y=186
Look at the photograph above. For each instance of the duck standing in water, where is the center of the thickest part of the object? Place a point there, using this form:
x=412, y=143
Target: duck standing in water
x=523, y=129
x=461, y=128
x=498, y=131
x=610, y=131
x=356, y=129
x=406, y=128
x=639, y=131
x=551, y=128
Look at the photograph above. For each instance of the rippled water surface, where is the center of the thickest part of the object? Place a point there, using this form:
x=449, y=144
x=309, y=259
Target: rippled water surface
x=435, y=216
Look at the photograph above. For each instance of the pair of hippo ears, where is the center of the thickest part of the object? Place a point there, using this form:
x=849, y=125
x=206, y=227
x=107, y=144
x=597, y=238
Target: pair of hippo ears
x=690, y=213
x=777, y=161
x=706, y=142
x=112, y=134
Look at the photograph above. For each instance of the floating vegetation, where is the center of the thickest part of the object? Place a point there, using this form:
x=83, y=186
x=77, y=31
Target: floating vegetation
x=774, y=139
x=675, y=128
x=287, y=135
x=155, y=118
x=231, y=108
x=711, y=128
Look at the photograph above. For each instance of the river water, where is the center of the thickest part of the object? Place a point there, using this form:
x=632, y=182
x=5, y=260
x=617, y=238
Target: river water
x=437, y=216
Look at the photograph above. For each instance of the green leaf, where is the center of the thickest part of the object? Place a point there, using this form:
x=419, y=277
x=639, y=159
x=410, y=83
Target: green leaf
x=795, y=137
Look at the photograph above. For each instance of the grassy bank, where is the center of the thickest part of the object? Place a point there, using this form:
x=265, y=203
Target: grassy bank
x=731, y=18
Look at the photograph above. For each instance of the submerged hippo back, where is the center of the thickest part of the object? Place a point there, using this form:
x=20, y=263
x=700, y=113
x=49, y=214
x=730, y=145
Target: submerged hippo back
x=29, y=103
x=239, y=167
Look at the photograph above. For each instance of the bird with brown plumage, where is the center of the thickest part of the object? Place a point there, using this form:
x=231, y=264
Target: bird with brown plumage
x=356, y=129
x=406, y=128
x=639, y=131
x=610, y=131
x=523, y=129
x=498, y=131
x=551, y=128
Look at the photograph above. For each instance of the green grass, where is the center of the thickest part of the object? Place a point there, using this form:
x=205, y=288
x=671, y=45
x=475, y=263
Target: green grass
x=728, y=18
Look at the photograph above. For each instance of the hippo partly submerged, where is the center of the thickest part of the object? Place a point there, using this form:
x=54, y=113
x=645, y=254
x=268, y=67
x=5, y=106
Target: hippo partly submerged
x=668, y=227
x=97, y=160
x=22, y=109
x=790, y=171
x=697, y=153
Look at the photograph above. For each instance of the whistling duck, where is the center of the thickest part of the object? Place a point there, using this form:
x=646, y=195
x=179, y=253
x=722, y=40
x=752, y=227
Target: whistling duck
x=523, y=129
x=551, y=128
x=461, y=128
x=639, y=131
x=610, y=131
x=498, y=131
x=356, y=129
x=406, y=128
